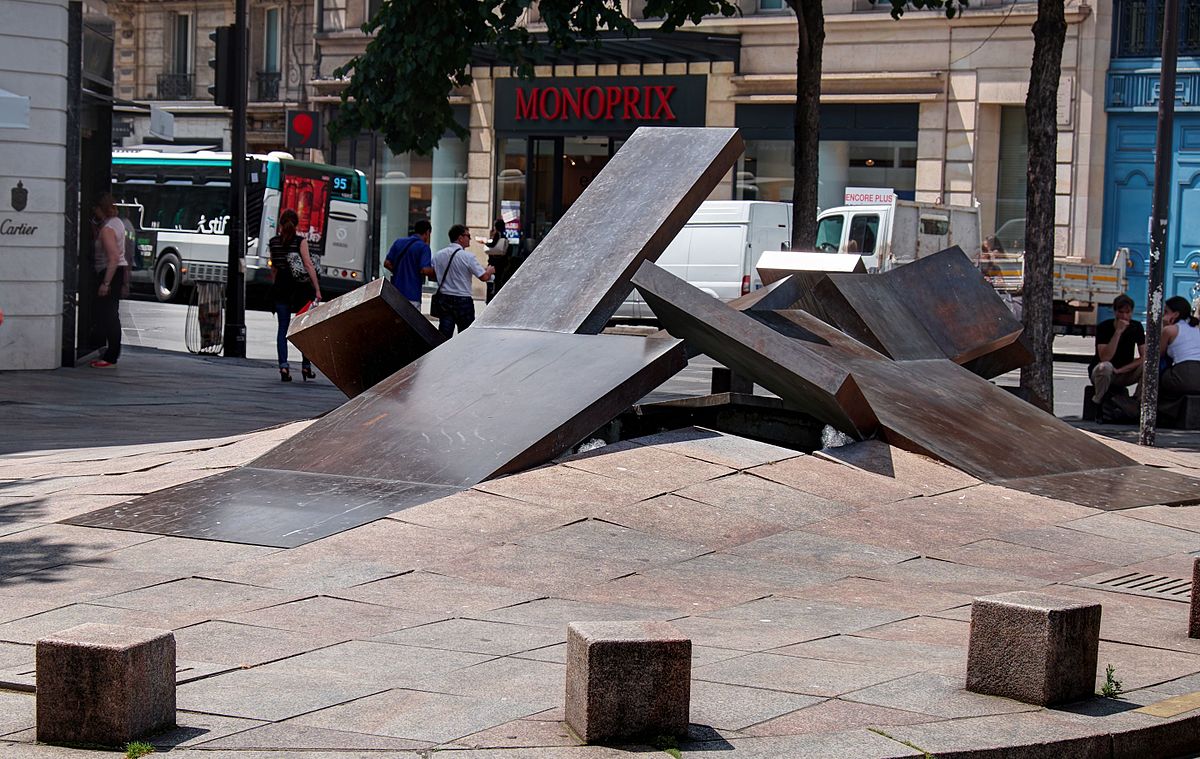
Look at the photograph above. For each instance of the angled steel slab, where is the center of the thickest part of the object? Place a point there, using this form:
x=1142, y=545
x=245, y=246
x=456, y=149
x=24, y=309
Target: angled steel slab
x=263, y=507
x=935, y=307
x=791, y=369
x=579, y=274
x=486, y=403
x=364, y=336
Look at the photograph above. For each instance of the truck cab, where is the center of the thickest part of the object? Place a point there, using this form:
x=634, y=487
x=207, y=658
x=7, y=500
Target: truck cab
x=887, y=235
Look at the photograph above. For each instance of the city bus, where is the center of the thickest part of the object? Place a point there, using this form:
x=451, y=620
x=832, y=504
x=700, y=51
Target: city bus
x=176, y=209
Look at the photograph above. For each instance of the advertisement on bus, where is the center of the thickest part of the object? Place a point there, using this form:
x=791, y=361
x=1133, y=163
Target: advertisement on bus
x=306, y=189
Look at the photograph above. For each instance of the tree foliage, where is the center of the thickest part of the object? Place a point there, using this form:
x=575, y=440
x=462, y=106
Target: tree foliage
x=421, y=51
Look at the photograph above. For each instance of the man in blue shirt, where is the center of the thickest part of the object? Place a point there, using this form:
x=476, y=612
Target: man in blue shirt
x=410, y=261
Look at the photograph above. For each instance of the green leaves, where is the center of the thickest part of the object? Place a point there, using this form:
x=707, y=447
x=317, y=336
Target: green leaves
x=952, y=8
x=421, y=51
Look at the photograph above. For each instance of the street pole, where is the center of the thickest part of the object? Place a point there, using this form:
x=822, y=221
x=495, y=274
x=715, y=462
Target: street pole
x=1159, y=212
x=235, y=283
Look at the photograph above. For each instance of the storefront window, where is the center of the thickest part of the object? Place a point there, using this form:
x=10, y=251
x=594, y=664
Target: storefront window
x=413, y=187
x=1012, y=179
x=765, y=170
x=510, y=181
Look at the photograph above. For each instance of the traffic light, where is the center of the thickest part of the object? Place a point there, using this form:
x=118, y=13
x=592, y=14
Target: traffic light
x=222, y=88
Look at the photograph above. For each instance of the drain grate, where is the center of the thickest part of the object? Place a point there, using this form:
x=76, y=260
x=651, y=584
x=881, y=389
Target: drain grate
x=1141, y=584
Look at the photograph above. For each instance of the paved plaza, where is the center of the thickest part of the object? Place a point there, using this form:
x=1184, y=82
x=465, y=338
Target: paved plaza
x=827, y=595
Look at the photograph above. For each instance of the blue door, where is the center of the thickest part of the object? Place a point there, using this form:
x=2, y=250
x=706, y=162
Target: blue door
x=1129, y=187
x=1183, y=231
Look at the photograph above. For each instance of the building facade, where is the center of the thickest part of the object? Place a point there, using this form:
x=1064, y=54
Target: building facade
x=56, y=68
x=1132, y=100
x=930, y=108
x=163, y=50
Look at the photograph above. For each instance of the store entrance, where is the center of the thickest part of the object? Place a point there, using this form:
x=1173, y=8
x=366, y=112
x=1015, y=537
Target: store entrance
x=560, y=169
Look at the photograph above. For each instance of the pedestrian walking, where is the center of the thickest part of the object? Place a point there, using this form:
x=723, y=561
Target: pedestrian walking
x=410, y=262
x=113, y=272
x=454, y=266
x=496, y=248
x=296, y=284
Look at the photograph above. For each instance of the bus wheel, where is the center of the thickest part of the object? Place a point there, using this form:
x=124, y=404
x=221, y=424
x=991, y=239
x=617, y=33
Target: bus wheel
x=167, y=277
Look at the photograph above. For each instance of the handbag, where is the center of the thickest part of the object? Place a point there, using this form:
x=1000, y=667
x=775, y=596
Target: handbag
x=437, y=304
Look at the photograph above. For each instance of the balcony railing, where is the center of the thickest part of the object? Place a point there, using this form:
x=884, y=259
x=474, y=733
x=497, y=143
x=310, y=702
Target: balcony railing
x=268, y=86
x=176, y=87
x=1139, y=23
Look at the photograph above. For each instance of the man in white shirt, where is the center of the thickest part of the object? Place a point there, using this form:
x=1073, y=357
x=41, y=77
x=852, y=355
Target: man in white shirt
x=453, y=266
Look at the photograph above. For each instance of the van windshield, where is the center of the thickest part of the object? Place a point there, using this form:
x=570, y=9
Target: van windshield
x=829, y=233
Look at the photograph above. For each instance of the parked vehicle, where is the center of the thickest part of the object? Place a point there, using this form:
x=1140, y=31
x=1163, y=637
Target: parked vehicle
x=176, y=209
x=892, y=234
x=718, y=248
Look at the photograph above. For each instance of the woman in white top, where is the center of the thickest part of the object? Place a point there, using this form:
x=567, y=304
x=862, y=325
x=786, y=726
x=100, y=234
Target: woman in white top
x=113, y=272
x=1181, y=342
x=498, y=258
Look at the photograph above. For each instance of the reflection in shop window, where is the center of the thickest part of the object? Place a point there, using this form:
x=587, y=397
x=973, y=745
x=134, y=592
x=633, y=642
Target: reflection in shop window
x=413, y=187
x=765, y=171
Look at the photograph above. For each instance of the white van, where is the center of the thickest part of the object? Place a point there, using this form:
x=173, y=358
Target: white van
x=892, y=234
x=719, y=247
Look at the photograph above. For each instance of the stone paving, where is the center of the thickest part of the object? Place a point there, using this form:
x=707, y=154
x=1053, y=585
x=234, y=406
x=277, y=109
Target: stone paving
x=827, y=597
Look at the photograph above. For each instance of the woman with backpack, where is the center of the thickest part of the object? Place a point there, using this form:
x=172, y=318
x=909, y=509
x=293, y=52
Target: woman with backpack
x=296, y=285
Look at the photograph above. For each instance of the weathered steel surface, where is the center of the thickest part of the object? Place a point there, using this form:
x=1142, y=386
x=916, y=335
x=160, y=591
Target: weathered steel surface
x=263, y=507
x=364, y=336
x=939, y=408
x=1111, y=489
x=579, y=274
x=935, y=307
x=488, y=402
x=789, y=368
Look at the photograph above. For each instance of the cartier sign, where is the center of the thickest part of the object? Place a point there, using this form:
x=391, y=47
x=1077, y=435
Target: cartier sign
x=585, y=105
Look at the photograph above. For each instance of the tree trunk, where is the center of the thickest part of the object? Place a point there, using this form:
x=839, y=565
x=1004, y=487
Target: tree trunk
x=1041, y=113
x=810, y=17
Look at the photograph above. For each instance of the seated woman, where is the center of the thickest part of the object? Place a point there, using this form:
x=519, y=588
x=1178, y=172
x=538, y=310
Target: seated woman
x=1181, y=342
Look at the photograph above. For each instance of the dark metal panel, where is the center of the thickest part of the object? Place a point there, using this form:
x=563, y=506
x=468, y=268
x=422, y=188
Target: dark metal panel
x=789, y=368
x=579, y=274
x=488, y=402
x=263, y=507
x=1111, y=489
x=955, y=304
x=866, y=308
x=938, y=408
x=364, y=336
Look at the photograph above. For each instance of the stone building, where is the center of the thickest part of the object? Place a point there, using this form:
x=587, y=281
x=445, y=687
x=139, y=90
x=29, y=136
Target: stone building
x=162, y=53
x=930, y=108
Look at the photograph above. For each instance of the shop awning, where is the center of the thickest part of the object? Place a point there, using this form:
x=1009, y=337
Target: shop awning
x=647, y=46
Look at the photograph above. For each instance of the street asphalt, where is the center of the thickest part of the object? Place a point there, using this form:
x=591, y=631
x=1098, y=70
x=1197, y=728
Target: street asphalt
x=160, y=392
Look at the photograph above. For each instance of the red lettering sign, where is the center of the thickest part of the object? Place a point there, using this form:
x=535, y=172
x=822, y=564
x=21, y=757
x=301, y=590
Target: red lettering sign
x=648, y=103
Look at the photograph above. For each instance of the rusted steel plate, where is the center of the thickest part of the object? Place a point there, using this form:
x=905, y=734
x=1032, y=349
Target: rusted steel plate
x=789, y=368
x=263, y=507
x=1117, y=488
x=936, y=307
x=939, y=408
x=579, y=274
x=364, y=336
x=488, y=402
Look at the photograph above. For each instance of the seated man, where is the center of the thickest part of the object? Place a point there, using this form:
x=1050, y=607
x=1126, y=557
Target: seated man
x=1114, y=364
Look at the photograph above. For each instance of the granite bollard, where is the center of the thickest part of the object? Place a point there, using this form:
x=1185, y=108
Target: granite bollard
x=627, y=680
x=1034, y=648
x=1194, y=613
x=105, y=684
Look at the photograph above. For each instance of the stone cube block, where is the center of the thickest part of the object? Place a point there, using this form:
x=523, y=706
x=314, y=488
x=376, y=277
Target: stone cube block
x=1194, y=615
x=627, y=680
x=1033, y=648
x=105, y=684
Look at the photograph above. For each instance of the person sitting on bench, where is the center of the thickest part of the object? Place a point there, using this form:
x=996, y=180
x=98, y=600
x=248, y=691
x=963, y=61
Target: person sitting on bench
x=1113, y=364
x=1181, y=342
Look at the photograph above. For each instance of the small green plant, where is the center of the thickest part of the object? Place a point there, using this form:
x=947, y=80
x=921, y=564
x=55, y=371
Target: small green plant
x=668, y=744
x=137, y=749
x=1112, y=686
